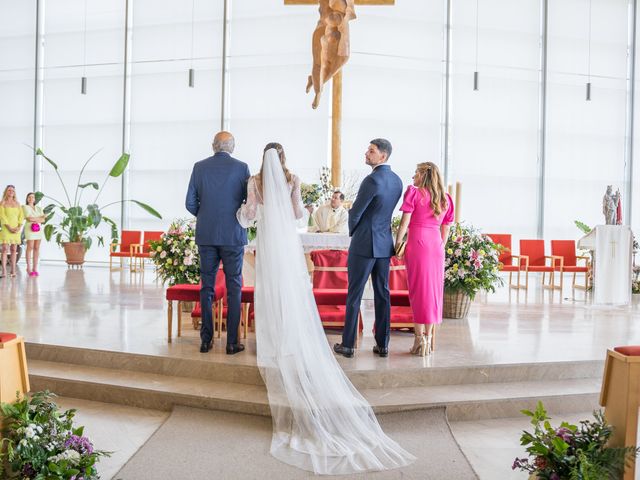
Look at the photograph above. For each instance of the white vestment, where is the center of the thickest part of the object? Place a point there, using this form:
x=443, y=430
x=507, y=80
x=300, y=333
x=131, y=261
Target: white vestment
x=327, y=219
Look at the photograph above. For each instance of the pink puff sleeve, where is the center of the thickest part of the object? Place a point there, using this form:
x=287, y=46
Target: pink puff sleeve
x=409, y=201
x=447, y=219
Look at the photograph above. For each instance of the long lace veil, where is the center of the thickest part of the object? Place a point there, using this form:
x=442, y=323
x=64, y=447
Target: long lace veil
x=321, y=423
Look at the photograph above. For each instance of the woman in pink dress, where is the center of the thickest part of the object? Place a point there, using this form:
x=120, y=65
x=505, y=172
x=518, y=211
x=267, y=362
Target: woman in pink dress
x=427, y=213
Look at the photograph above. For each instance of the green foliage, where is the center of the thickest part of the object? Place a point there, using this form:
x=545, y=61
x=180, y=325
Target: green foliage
x=310, y=193
x=584, y=228
x=571, y=451
x=176, y=254
x=40, y=442
x=471, y=261
x=75, y=219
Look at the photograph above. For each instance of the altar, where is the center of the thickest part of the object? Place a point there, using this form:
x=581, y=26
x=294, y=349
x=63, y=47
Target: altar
x=611, y=246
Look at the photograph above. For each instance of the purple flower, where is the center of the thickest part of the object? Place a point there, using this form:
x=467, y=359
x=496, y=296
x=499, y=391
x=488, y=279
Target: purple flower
x=81, y=445
x=554, y=476
x=564, y=433
x=28, y=470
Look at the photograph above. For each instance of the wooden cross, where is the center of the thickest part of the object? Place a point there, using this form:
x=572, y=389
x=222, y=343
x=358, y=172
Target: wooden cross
x=336, y=100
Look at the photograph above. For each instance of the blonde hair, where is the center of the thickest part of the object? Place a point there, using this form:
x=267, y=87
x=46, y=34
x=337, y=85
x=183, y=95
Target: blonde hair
x=283, y=161
x=431, y=181
x=4, y=194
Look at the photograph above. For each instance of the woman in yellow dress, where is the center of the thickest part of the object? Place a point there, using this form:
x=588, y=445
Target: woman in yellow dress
x=11, y=220
x=33, y=228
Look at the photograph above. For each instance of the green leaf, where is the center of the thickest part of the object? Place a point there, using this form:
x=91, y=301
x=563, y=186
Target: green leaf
x=120, y=166
x=90, y=184
x=48, y=231
x=39, y=196
x=41, y=153
x=147, y=208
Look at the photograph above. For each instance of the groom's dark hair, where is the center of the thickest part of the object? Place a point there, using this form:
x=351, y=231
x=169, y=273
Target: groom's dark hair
x=383, y=145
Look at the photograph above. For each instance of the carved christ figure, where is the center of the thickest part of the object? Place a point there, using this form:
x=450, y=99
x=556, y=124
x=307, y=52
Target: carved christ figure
x=330, y=43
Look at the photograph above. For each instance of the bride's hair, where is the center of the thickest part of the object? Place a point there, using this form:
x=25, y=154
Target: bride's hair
x=283, y=161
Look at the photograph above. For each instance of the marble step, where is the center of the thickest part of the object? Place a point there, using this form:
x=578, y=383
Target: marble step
x=381, y=373
x=162, y=392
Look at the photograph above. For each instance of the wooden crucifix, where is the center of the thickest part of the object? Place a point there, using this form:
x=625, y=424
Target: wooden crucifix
x=330, y=52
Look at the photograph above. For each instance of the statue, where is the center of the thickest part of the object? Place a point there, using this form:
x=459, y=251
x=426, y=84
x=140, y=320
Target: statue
x=330, y=43
x=610, y=203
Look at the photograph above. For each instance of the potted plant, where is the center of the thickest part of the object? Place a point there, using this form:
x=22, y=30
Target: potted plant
x=77, y=218
x=571, y=451
x=470, y=265
x=40, y=442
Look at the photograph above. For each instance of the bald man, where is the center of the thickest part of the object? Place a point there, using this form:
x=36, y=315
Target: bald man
x=217, y=189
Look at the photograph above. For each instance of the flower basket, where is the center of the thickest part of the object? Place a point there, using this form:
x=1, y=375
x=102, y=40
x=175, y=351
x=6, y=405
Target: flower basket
x=456, y=304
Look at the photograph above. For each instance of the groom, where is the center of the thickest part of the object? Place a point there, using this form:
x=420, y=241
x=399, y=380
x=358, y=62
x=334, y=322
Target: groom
x=217, y=189
x=371, y=247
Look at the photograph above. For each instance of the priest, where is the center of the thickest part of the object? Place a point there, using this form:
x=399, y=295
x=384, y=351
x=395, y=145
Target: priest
x=331, y=217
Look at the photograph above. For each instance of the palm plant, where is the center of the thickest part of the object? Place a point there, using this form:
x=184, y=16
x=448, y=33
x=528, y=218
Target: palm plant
x=78, y=218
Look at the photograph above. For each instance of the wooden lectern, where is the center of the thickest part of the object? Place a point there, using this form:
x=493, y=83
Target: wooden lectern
x=14, y=376
x=620, y=395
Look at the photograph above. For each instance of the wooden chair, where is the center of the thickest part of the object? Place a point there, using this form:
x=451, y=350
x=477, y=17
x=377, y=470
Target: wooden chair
x=620, y=396
x=129, y=241
x=532, y=254
x=566, y=251
x=143, y=251
x=14, y=375
x=507, y=257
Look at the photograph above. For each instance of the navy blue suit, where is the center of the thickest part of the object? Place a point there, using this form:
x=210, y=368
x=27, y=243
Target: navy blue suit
x=217, y=189
x=370, y=251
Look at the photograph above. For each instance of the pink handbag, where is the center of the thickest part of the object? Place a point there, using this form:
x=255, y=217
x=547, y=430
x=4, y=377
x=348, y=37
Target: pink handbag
x=35, y=227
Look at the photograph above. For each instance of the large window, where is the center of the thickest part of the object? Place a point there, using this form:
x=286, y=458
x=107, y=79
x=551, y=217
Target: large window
x=75, y=126
x=494, y=130
x=585, y=139
x=17, y=75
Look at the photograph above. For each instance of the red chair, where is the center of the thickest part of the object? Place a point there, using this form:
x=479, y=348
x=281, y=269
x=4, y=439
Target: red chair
x=143, y=251
x=566, y=251
x=330, y=282
x=220, y=294
x=181, y=293
x=506, y=257
x=532, y=254
x=401, y=315
x=129, y=241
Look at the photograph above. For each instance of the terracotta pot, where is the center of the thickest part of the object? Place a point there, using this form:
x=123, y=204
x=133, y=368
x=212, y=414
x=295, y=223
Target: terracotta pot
x=74, y=251
x=456, y=305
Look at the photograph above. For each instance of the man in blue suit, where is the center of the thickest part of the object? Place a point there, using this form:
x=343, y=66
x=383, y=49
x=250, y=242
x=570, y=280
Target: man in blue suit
x=371, y=247
x=217, y=189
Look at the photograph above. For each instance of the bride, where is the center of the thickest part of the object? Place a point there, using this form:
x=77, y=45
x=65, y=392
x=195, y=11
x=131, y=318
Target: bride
x=320, y=421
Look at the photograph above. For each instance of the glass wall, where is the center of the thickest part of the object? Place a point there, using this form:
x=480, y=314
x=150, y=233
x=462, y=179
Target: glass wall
x=585, y=139
x=494, y=130
x=393, y=87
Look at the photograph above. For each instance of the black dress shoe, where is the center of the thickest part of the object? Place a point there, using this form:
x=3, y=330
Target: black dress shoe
x=342, y=350
x=382, y=351
x=233, y=348
x=206, y=346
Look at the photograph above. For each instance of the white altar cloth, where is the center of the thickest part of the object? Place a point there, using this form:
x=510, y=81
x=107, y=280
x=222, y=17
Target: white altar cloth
x=612, y=271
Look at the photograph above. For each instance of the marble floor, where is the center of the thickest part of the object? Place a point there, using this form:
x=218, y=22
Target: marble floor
x=95, y=308
x=117, y=311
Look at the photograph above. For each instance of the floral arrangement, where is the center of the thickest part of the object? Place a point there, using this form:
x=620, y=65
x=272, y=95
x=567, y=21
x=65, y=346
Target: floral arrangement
x=175, y=255
x=570, y=451
x=471, y=261
x=310, y=193
x=395, y=225
x=41, y=443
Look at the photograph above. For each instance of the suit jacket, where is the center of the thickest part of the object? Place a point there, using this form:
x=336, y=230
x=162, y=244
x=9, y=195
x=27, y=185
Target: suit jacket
x=370, y=215
x=217, y=189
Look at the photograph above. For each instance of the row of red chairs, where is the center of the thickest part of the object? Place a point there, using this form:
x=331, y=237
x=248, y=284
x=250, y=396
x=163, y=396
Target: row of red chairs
x=532, y=258
x=134, y=245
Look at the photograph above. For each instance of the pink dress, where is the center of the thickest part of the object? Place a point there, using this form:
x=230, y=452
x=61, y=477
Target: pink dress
x=424, y=255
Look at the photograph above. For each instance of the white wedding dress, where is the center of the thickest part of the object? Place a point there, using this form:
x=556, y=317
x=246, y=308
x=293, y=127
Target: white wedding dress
x=321, y=423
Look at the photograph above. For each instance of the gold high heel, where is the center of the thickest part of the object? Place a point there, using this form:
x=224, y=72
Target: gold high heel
x=428, y=344
x=421, y=348
x=417, y=344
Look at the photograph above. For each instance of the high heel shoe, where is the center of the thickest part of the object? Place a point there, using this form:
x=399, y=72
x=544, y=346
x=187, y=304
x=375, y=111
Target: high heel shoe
x=421, y=347
x=427, y=340
x=417, y=343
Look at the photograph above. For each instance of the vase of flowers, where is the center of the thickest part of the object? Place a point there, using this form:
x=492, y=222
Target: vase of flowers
x=470, y=265
x=40, y=442
x=176, y=256
x=571, y=451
